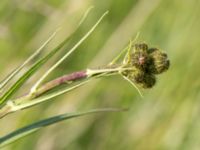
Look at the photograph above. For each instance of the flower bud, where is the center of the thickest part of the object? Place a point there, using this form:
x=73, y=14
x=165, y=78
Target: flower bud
x=141, y=47
x=139, y=57
x=135, y=75
x=140, y=78
x=149, y=81
x=145, y=63
x=139, y=60
x=158, y=61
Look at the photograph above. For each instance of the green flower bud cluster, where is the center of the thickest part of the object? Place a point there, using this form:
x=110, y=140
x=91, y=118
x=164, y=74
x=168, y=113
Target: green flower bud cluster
x=146, y=63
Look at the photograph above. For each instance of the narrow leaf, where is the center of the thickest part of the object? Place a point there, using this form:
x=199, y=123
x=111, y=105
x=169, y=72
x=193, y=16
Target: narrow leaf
x=15, y=135
x=18, y=69
x=35, y=67
x=47, y=97
x=34, y=88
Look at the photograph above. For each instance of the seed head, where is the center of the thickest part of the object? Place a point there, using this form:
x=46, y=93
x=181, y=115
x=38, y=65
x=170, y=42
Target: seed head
x=158, y=61
x=135, y=75
x=145, y=63
x=149, y=80
x=141, y=47
x=139, y=57
x=140, y=78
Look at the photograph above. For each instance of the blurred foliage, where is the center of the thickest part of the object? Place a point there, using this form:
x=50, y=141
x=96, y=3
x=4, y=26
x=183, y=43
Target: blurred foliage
x=166, y=118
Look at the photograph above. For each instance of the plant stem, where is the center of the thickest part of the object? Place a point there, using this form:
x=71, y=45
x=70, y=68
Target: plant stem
x=31, y=99
x=66, y=79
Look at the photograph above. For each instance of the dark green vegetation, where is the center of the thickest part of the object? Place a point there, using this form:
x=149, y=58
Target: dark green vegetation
x=168, y=115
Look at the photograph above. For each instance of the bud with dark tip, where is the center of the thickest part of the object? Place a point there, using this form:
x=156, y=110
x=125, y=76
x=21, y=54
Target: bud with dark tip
x=135, y=75
x=144, y=64
x=139, y=57
x=141, y=78
x=149, y=81
x=139, y=60
x=158, y=61
x=141, y=47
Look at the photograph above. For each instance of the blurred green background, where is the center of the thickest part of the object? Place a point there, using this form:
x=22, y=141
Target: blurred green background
x=167, y=118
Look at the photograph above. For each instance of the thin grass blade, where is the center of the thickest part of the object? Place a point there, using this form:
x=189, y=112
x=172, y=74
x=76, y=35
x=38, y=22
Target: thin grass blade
x=47, y=97
x=37, y=84
x=17, y=70
x=20, y=133
x=37, y=65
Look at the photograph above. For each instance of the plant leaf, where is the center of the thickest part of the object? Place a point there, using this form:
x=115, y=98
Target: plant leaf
x=15, y=135
x=33, y=89
x=37, y=65
x=17, y=70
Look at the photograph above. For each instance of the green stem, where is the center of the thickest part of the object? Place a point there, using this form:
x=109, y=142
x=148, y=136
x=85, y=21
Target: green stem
x=39, y=95
x=31, y=99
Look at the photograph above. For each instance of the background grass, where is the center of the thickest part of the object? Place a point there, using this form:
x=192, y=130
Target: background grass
x=168, y=116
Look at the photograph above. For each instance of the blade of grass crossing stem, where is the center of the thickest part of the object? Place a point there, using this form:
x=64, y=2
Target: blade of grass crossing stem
x=15, y=135
x=42, y=99
x=37, y=65
x=24, y=102
x=37, y=84
x=12, y=74
x=17, y=70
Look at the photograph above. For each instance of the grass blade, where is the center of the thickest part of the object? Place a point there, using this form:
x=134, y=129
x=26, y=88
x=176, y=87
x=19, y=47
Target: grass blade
x=20, y=133
x=44, y=98
x=38, y=64
x=17, y=70
x=34, y=88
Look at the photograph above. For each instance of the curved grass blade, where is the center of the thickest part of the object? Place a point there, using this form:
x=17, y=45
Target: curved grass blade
x=37, y=84
x=17, y=70
x=37, y=65
x=20, y=133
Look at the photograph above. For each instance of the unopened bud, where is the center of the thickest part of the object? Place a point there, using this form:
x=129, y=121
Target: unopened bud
x=158, y=61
